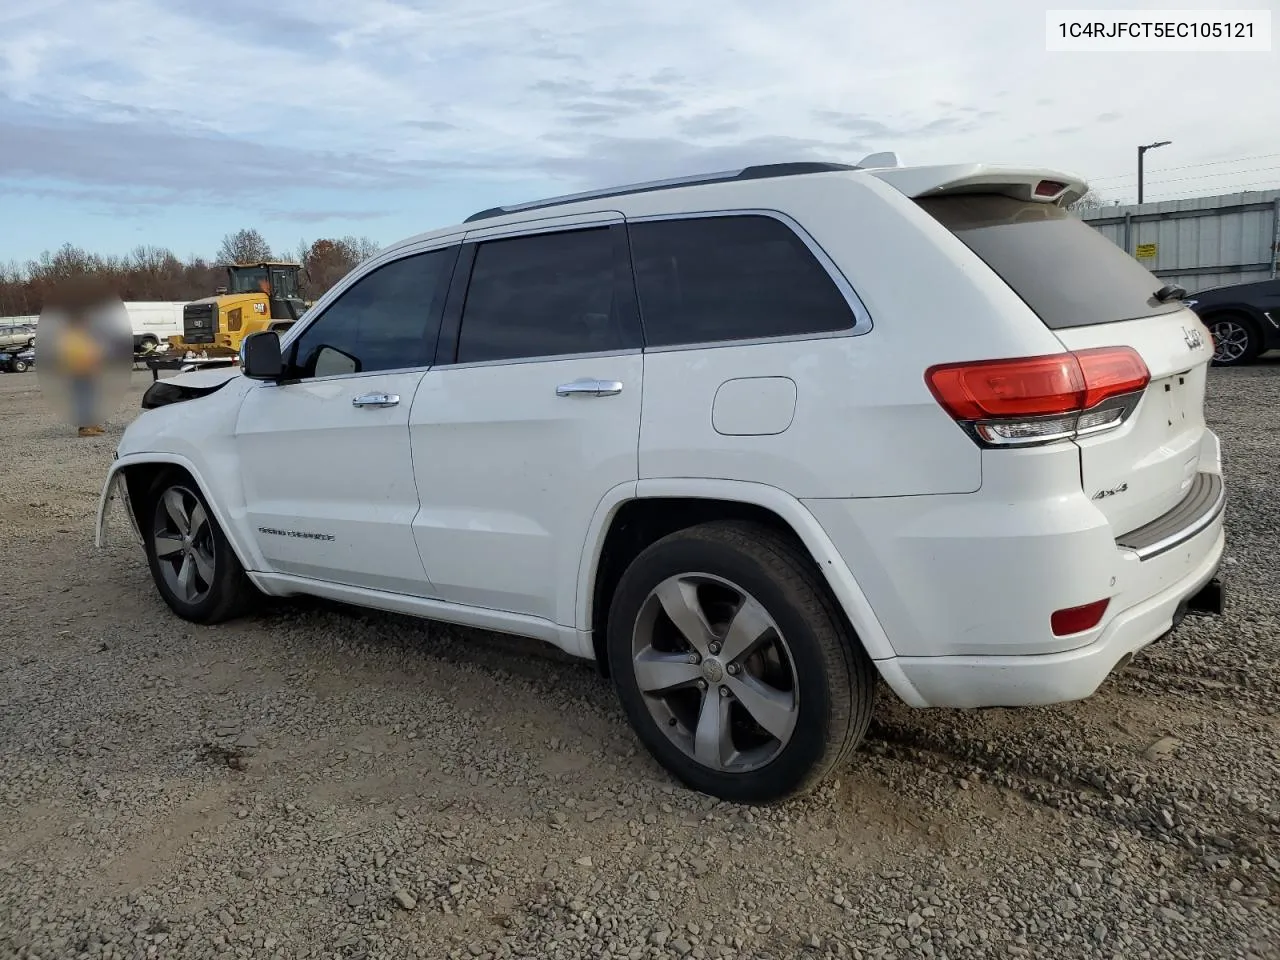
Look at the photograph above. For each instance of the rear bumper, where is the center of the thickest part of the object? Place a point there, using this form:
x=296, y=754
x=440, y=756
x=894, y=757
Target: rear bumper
x=964, y=586
x=1020, y=681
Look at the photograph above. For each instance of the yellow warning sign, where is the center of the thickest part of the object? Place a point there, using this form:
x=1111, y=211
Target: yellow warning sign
x=1146, y=251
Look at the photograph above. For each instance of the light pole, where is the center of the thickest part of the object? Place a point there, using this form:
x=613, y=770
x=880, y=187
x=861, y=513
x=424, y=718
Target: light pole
x=1141, y=152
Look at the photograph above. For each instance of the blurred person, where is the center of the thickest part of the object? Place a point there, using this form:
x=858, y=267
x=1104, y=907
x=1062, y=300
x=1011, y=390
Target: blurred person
x=79, y=359
x=83, y=319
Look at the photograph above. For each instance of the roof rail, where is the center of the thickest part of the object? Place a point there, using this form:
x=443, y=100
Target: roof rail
x=759, y=171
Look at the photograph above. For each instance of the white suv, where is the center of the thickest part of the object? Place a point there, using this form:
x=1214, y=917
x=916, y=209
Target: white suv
x=750, y=441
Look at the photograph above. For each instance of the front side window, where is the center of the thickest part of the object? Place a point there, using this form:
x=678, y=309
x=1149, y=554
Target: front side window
x=544, y=295
x=739, y=277
x=386, y=320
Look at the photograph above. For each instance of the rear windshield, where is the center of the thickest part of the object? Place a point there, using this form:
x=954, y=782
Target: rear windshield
x=1066, y=271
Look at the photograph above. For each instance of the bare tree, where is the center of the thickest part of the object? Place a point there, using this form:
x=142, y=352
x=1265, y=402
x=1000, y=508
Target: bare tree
x=1088, y=203
x=244, y=246
x=362, y=248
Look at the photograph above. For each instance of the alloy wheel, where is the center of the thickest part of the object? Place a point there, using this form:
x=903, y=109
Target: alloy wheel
x=715, y=672
x=183, y=541
x=1230, y=341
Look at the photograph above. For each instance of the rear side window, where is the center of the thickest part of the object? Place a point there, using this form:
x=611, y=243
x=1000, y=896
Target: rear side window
x=708, y=279
x=544, y=295
x=1065, y=270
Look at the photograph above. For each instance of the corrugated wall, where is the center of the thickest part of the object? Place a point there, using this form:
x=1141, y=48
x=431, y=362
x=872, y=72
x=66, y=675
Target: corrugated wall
x=1202, y=242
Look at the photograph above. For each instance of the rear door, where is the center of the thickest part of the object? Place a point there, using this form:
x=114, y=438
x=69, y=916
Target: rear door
x=1090, y=293
x=531, y=416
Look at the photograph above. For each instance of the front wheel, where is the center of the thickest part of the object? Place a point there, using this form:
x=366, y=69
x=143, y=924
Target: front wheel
x=1235, y=341
x=733, y=664
x=193, y=565
x=19, y=366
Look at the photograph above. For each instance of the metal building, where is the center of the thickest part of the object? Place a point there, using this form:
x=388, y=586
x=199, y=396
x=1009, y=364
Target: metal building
x=1201, y=242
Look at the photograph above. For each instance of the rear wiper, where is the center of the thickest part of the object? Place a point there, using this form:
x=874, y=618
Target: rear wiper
x=1171, y=291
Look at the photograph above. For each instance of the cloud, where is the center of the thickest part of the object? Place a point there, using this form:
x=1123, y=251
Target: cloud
x=315, y=108
x=433, y=125
x=322, y=216
x=151, y=154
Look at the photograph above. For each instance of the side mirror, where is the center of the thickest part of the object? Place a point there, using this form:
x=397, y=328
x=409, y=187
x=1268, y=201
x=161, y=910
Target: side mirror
x=260, y=356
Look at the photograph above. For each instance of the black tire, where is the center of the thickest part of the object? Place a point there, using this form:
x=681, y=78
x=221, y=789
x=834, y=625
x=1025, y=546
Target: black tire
x=19, y=366
x=148, y=343
x=834, y=680
x=228, y=592
x=1245, y=339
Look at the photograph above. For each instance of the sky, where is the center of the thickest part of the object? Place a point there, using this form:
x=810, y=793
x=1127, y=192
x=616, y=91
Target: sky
x=174, y=122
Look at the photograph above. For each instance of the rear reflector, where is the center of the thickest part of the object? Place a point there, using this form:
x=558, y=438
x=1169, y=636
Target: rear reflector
x=1036, y=399
x=1078, y=619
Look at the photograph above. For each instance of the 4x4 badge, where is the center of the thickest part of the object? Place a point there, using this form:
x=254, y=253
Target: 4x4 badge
x=1193, y=337
x=1103, y=494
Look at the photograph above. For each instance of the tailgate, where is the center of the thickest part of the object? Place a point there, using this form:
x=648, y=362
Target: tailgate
x=1091, y=293
x=1146, y=467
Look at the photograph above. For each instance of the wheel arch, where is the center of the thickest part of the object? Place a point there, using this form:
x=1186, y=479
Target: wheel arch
x=633, y=516
x=139, y=473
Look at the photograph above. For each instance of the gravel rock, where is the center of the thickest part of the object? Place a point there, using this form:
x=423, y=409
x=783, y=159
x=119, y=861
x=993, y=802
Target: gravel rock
x=404, y=899
x=493, y=788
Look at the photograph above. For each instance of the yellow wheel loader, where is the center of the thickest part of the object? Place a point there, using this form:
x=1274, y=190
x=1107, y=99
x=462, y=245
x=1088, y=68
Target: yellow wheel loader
x=258, y=296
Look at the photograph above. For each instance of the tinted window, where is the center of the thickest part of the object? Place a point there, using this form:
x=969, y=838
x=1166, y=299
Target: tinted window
x=731, y=278
x=543, y=295
x=381, y=321
x=1064, y=269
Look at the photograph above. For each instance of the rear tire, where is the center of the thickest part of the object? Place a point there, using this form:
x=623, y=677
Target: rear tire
x=192, y=563
x=773, y=692
x=19, y=366
x=1236, y=340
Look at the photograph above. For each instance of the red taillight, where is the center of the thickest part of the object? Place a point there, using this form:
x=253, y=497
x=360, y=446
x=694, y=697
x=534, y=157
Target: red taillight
x=1049, y=188
x=1078, y=619
x=1110, y=372
x=994, y=389
x=1026, y=389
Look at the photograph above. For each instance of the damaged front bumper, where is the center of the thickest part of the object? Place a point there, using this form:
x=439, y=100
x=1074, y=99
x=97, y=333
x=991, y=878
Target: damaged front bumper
x=113, y=491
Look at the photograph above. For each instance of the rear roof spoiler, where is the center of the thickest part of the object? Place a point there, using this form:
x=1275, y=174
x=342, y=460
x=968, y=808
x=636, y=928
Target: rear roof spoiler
x=1022, y=183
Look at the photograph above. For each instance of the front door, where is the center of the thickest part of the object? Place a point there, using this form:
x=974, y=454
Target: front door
x=517, y=441
x=325, y=457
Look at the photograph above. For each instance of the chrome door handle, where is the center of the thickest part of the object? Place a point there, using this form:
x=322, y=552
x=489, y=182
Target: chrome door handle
x=588, y=387
x=375, y=400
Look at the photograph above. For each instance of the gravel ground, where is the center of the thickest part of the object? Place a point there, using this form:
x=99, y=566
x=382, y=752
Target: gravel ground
x=318, y=781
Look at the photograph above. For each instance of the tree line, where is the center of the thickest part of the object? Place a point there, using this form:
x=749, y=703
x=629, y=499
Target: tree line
x=156, y=273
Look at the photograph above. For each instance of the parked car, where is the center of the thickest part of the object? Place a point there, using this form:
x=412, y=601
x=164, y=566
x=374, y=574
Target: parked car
x=17, y=335
x=751, y=441
x=1243, y=318
x=17, y=361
